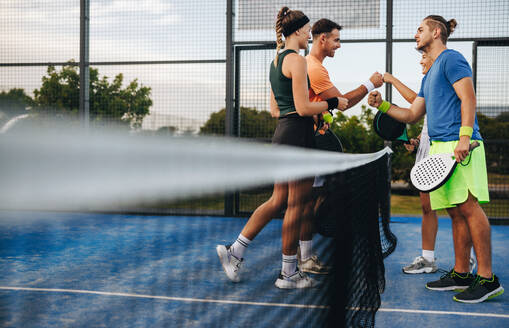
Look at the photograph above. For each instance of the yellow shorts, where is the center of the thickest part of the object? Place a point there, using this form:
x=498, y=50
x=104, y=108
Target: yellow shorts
x=471, y=177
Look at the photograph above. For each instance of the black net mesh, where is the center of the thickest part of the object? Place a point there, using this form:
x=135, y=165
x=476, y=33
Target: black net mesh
x=361, y=20
x=493, y=115
x=39, y=31
x=476, y=18
x=157, y=30
x=255, y=121
x=177, y=51
x=349, y=211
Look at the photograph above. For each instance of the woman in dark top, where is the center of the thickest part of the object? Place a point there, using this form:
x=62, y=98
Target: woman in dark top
x=290, y=103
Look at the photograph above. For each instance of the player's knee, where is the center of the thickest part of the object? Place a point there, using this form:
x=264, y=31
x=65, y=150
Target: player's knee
x=277, y=204
x=426, y=209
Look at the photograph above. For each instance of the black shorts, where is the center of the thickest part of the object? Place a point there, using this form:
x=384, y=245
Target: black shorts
x=295, y=130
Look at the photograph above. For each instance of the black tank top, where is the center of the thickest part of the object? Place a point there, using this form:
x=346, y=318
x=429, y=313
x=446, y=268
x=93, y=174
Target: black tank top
x=282, y=86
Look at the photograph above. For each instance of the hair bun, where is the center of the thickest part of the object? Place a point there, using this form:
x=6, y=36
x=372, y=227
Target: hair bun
x=284, y=11
x=452, y=25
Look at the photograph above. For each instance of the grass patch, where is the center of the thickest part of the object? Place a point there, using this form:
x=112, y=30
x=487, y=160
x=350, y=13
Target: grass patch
x=411, y=205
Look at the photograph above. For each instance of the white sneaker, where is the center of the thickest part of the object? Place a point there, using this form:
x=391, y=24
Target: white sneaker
x=231, y=264
x=420, y=265
x=313, y=265
x=472, y=264
x=297, y=280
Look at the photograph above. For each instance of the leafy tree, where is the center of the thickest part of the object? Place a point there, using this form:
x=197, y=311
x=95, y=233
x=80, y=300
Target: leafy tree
x=14, y=102
x=253, y=123
x=166, y=131
x=358, y=136
x=109, y=102
x=495, y=132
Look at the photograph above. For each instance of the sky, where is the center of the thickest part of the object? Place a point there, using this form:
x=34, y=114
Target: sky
x=186, y=95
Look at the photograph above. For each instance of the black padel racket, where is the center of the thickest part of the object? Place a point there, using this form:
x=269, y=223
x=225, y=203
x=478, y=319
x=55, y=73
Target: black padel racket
x=328, y=141
x=389, y=129
x=432, y=172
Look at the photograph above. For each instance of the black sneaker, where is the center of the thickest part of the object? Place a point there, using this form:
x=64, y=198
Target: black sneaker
x=482, y=289
x=452, y=280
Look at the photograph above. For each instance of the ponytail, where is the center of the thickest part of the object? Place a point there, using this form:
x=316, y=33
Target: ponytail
x=279, y=31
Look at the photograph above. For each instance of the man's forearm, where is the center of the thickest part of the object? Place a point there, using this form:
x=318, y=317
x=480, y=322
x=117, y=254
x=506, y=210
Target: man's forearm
x=355, y=96
x=467, y=113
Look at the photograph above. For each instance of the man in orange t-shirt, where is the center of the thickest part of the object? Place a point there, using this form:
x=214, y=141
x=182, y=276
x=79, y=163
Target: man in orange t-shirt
x=325, y=42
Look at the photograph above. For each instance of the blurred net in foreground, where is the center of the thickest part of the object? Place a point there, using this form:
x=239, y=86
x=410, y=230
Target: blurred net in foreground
x=350, y=206
x=86, y=171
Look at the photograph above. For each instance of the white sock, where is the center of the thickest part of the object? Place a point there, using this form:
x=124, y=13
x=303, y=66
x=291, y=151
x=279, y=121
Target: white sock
x=239, y=246
x=472, y=253
x=306, y=249
x=289, y=264
x=428, y=255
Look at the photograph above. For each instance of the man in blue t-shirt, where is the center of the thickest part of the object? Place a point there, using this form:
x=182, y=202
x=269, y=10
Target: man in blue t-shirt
x=447, y=97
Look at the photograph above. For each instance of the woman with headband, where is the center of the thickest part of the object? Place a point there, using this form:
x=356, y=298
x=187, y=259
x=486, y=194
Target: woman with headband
x=291, y=105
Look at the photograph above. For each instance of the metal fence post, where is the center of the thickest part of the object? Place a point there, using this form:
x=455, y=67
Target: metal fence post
x=388, y=50
x=84, y=110
x=230, y=129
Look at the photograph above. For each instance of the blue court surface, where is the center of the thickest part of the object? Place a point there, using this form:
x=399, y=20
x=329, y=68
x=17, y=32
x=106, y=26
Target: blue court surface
x=110, y=270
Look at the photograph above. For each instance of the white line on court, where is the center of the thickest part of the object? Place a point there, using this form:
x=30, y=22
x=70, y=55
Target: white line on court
x=202, y=300
x=473, y=314
x=168, y=298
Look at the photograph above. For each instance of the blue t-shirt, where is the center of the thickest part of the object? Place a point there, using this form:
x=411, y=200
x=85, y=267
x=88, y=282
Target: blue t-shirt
x=443, y=107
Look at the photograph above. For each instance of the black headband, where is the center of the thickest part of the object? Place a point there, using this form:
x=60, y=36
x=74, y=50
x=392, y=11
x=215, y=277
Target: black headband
x=294, y=26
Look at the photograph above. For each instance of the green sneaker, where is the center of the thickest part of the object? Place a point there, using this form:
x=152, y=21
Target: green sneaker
x=480, y=290
x=452, y=280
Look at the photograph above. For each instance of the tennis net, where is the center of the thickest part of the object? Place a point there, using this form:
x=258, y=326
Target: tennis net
x=60, y=170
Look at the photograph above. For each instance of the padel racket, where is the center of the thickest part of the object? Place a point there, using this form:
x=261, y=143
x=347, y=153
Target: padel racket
x=389, y=129
x=432, y=172
x=328, y=141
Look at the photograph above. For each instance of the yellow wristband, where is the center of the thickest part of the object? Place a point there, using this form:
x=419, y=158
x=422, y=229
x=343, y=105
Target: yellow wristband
x=327, y=117
x=466, y=131
x=384, y=107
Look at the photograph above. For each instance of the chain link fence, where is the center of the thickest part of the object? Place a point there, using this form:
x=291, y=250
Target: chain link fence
x=201, y=67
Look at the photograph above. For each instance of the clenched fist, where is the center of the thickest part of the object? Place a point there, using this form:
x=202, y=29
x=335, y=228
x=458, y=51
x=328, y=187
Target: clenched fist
x=376, y=79
x=342, y=103
x=388, y=78
x=375, y=99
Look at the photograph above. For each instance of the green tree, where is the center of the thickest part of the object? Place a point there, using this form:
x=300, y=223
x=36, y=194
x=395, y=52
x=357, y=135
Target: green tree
x=109, y=102
x=358, y=136
x=253, y=123
x=14, y=102
x=355, y=132
x=495, y=132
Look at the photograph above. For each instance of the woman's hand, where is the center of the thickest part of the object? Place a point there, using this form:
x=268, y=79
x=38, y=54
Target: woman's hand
x=388, y=78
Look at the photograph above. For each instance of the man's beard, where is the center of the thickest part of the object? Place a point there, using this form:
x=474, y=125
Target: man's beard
x=423, y=48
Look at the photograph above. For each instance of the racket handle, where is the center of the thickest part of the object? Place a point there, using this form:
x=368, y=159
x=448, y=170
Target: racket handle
x=474, y=145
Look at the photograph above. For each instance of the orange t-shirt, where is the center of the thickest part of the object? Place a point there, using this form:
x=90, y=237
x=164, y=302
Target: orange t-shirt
x=318, y=78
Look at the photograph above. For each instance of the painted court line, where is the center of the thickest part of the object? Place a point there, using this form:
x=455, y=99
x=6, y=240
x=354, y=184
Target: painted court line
x=202, y=300
x=168, y=298
x=473, y=314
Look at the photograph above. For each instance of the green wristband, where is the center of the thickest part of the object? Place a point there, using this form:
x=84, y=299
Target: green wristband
x=384, y=107
x=466, y=131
